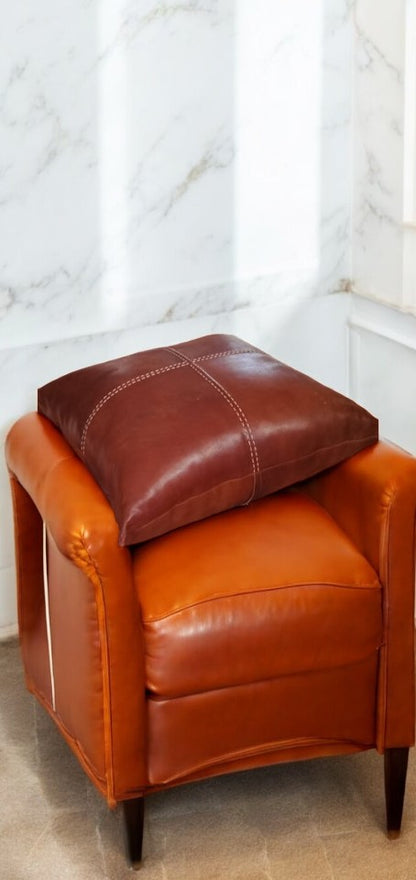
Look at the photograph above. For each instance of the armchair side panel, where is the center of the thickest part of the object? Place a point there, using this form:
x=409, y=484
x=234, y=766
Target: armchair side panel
x=373, y=498
x=52, y=486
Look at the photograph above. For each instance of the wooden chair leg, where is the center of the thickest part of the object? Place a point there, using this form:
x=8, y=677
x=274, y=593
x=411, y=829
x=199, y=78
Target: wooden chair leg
x=395, y=769
x=133, y=821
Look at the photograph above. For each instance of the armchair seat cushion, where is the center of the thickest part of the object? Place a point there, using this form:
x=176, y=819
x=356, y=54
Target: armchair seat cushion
x=255, y=593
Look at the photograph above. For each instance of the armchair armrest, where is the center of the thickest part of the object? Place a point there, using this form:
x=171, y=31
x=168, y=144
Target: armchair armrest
x=372, y=496
x=50, y=483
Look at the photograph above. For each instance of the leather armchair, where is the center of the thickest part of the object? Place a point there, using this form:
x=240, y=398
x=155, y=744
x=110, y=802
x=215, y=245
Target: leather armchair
x=276, y=632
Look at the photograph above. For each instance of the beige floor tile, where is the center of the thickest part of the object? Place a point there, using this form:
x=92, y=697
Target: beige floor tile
x=17, y=717
x=369, y=855
x=68, y=848
x=319, y=820
x=210, y=842
x=334, y=797
x=64, y=782
x=297, y=855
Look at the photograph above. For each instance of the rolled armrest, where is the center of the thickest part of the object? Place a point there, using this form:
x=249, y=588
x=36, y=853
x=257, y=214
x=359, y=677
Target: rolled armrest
x=69, y=501
x=372, y=496
x=50, y=483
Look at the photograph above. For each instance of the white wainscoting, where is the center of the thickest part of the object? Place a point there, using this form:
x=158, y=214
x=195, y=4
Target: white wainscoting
x=382, y=367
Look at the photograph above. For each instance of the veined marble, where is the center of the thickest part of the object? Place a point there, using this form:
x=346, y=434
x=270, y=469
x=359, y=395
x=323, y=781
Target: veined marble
x=378, y=158
x=156, y=152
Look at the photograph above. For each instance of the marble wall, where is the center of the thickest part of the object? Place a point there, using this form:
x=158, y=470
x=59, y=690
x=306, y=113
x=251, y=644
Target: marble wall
x=378, y=210
x=169, y=169
x=382, y=323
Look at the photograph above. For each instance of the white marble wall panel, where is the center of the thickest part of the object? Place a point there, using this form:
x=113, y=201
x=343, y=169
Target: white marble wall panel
x=378, y=156
x=293, y=116
x=158, y=155
x=336, y=145
x=383, y=347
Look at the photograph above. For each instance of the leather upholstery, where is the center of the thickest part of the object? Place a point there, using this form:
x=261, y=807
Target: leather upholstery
x=81, y=525
x=222, y=645
x=272, y=589
x=372, y=497
x=174, y=435
x=284, y=718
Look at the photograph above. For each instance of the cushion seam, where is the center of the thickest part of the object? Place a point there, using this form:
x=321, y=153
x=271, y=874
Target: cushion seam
x=149, y=375
x=157, y=697
x=269, y=589
x=239, y=412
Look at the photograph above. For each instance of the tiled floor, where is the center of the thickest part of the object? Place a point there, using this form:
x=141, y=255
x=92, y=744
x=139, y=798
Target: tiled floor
x=316, y=820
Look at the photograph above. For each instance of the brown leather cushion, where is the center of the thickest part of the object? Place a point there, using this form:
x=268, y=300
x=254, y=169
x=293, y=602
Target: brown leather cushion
x=173, y=435
x=273, y=589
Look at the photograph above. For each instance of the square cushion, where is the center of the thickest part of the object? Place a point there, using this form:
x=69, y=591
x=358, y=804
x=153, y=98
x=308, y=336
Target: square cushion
x=268, y=590
x=173, y=435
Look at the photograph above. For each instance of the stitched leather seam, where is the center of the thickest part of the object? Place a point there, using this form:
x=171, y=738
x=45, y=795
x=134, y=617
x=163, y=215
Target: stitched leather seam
x=253, y=751
x=239, y=413
x=123, y=385
x=273, y=588
x=78, y=748
x=84, y=560
x=143, y=376
x=155, y=697
x=243, y=421
x=384, y=566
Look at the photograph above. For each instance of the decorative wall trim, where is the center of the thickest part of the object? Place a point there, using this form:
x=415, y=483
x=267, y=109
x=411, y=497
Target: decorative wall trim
x=382, y=332
x=382, y=367
x=382, y=319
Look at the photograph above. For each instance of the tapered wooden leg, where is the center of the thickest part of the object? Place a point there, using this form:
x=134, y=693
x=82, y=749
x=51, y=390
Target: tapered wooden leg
x=395, y=769
x=133, y=821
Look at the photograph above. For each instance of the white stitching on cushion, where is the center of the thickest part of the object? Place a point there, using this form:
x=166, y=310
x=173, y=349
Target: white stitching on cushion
x=238, y=411
x=140, y=378
x=123, y=385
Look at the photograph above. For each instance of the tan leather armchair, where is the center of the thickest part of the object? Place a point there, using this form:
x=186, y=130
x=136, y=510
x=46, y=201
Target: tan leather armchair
x=275, y=632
